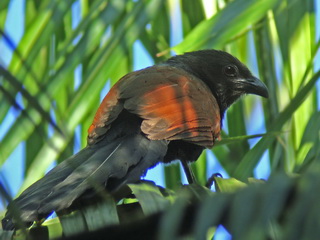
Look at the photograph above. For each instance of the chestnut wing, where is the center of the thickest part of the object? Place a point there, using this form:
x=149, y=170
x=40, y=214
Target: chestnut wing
x=173, y=105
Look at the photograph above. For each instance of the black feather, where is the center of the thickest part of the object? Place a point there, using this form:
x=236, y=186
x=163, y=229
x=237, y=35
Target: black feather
x=124, y=155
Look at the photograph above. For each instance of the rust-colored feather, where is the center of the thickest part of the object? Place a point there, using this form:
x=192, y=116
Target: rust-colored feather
x=173, y=105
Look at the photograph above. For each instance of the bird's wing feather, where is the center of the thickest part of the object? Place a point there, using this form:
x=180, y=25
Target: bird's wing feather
x=173, y=104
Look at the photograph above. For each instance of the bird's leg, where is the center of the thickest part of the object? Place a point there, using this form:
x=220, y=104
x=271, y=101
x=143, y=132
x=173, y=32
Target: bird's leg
x=188, y=171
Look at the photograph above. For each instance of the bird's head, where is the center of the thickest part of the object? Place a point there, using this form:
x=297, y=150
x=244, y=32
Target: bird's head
x=225, y=75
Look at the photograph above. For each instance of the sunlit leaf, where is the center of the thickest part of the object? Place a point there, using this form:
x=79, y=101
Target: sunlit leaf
x=234, y=19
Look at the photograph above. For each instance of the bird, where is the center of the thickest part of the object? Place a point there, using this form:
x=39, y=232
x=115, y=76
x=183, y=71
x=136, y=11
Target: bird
x=170, y=111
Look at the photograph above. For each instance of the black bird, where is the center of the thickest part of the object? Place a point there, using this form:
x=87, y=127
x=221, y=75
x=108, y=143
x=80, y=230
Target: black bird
x=161, y=113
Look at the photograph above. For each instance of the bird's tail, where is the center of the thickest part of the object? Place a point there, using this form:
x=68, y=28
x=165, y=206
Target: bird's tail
x=123, y=159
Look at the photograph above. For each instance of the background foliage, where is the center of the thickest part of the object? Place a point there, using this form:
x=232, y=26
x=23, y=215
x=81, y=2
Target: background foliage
x=276, y=38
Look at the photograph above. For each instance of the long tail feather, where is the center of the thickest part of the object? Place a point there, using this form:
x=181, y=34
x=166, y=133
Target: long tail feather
x=124, y=159
x=123, y=156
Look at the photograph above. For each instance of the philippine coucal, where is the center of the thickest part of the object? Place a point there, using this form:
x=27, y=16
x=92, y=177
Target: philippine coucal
x=169, y=111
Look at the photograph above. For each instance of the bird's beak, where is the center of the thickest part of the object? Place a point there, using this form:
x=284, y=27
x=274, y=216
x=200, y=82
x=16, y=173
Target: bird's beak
x=256, y=86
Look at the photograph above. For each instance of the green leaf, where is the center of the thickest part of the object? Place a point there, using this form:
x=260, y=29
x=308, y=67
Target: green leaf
x=173, y=176
x=101, y=215
x=228, y=185
x=192, y=14
x=35, y=37
x=15, y=84
x=305, y=196
x=3, y=13
x=23, y=127
x=54, y=228
x=230, y=140
x=169, y=224
x=233, y=20
x=200, y=168
x=211, y=210
x=73, y=223
x=150, y=198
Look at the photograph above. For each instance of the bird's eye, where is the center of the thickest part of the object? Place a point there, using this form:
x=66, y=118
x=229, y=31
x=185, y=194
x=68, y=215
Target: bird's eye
x=231, y=70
